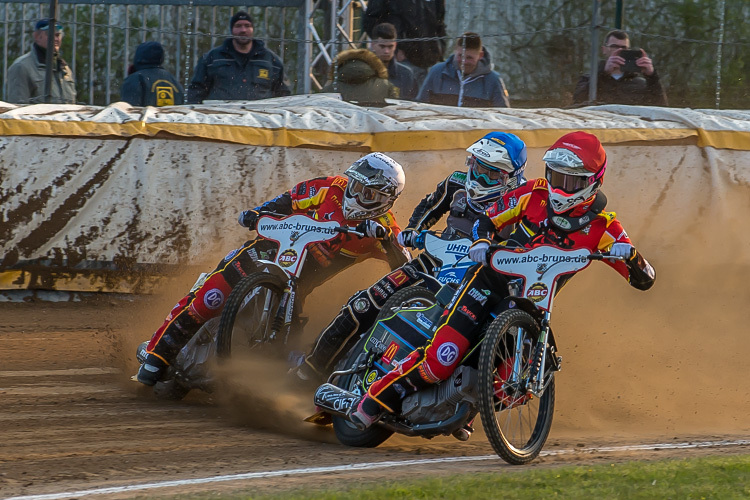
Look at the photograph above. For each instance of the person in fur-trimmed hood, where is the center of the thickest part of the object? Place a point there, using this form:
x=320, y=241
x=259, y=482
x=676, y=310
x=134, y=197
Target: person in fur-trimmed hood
x=360, y=77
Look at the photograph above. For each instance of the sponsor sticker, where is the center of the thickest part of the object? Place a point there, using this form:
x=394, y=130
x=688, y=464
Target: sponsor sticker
x=398, y=277
x=447, y=353
x=287, y=258
x=213, y=299
x=537, y=292
x=389, y=353
x=371, y=377
x=231, y=255
x=422, y=320
x=477, y=295
x=361, y=305
x=466, y=312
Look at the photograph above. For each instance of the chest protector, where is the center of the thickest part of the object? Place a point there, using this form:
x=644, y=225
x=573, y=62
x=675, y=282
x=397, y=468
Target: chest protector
x=461, y=217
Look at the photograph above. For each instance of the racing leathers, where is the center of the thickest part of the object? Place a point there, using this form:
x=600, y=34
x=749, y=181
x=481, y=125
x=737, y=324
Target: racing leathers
x=360, y=311
x=320, y=198
x=482, y=288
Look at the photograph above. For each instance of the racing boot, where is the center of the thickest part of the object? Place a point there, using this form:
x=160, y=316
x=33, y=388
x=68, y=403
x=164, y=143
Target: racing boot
x=366, y=413
x=152, y=370
x=305, y=374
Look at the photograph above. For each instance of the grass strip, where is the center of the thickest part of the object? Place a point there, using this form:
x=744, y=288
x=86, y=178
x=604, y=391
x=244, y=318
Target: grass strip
x=723, y=478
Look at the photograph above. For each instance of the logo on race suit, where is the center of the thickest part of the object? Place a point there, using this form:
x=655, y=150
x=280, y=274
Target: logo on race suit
x=466, y=312
x=422, y=320
x=361, y=305
x=537, y=292
x=213, y=299
x=312, y=191
x=371, y=377
x=287, y=258
x=477, y=295
x=398, y=278
x=561, y=222
x=447, y=353
x=231, y=255
x=586, y=229
x=512, y=202
x=389, y=353
x=328, y=216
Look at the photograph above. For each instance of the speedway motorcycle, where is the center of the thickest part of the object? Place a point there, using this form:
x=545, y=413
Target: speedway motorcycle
x=508, y=378
x=261, y=312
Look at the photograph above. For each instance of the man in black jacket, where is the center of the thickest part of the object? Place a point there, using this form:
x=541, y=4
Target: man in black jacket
x=148, y=84
x=383, y=44
x=614, y=85
x=241, y=69
x=412, y=19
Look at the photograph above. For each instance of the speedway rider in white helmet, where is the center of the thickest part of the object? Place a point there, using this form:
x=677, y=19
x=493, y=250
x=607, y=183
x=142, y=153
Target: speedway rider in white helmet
x=362, y=197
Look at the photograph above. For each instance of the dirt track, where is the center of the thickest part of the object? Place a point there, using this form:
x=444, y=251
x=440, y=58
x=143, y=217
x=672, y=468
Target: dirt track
x=71, y=419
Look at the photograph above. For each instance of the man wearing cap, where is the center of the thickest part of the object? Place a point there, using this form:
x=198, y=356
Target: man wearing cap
x=26, y=75
x=241, y=69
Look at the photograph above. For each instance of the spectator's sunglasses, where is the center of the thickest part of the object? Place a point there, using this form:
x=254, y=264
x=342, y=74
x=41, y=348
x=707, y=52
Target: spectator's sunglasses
x=491, y=175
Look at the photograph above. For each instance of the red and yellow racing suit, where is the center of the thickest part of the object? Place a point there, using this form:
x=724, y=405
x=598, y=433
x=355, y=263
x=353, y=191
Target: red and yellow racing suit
x=482, y=288
x=319, y=198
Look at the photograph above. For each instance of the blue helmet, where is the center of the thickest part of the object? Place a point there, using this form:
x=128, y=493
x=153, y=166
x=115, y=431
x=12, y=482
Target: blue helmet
x=496, y=166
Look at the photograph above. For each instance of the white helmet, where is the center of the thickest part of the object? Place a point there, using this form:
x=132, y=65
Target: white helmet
x=375, y=181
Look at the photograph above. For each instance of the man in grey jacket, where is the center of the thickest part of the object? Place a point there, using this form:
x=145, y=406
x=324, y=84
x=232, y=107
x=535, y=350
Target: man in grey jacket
x=27, y=73
x=466, y=79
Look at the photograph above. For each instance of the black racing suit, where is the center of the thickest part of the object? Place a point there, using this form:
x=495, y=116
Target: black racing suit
x=360, y=311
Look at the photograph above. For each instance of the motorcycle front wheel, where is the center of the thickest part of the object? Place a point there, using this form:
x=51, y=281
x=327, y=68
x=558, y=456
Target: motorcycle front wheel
x=516, y=423
x=247, y=321
x=346, y=432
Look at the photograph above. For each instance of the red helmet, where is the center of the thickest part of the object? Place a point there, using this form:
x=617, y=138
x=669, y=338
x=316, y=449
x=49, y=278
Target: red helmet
x=574, y=168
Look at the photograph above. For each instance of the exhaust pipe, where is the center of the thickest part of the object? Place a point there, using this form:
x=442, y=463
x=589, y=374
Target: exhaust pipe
x=335, y=400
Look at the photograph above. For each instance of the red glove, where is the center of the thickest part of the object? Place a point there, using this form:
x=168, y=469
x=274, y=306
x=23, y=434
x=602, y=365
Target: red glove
x=323, y=253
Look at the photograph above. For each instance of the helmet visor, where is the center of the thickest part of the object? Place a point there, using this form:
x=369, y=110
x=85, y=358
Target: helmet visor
x=483, y=172
x=568, y=183
x=367, y=196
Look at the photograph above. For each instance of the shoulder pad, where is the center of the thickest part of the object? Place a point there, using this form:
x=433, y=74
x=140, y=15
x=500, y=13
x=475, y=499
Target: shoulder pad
x=609, y=216
x=458, y=176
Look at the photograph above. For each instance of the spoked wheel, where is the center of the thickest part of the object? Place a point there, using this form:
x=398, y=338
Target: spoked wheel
x=249, y=320
x=516, y=423
x=346, y=432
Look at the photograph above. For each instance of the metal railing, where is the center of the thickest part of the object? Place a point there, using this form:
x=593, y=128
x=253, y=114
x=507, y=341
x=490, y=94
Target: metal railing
x=101, y=36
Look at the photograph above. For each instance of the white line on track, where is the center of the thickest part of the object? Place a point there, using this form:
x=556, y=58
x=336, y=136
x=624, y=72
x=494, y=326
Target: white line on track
x=366, y=466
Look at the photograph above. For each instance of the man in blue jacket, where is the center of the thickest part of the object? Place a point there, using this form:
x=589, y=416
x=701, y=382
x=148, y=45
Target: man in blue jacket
x=241, y=69
x=148, y=83
x=466, y=79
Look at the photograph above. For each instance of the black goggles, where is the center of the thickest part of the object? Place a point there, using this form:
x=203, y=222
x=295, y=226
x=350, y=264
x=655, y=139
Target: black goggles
x=568, y=183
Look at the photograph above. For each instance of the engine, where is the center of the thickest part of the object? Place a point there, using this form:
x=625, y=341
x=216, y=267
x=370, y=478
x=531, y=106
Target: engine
x=439, y=401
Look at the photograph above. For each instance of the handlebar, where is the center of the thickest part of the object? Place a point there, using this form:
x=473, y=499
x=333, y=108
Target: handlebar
x=350, y=230
x=604, y=256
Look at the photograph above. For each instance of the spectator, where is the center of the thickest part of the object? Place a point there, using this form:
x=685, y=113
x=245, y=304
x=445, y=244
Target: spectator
x=412, y=19
x=26, y=76
x=384, y=45
x=148, y=83
x=360, y=77
x=466, y=79
x=613, y=86
x=242, y=68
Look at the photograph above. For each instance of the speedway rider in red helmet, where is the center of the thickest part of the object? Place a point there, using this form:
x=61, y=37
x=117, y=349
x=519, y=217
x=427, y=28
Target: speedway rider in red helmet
x=362, y=197
x=565, y=209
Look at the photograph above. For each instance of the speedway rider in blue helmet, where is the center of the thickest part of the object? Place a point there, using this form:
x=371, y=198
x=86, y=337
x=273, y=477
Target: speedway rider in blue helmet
x=496, y=163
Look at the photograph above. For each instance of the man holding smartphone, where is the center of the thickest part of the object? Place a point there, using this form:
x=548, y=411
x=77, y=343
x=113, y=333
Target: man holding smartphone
x=625, y=76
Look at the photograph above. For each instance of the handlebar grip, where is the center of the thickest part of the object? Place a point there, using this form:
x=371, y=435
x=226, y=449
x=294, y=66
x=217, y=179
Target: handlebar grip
x=596, y=256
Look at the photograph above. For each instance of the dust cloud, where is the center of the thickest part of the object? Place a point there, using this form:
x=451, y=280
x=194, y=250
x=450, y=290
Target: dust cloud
x=659, y=363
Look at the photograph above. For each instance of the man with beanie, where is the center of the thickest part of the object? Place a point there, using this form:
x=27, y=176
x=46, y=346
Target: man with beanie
x=26, y=76
x=148, y=83
x=241, y=69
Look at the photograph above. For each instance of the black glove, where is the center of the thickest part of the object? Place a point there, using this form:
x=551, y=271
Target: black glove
x=249, y=219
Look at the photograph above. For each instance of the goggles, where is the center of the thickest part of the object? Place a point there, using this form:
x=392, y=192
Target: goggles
x=366, y=195
x=491, y=175
x=568, y=183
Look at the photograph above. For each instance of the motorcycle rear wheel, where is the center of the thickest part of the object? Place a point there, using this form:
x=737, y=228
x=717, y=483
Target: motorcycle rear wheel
x=249, y=313
x=516, y=424
x=346, y=432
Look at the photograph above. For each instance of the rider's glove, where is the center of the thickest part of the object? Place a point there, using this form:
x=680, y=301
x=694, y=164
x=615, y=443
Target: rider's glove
x=406, y=237
x=625, y=250
x=323, y=253
x=478, y=252
x=249, y=219
x=372, y=229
